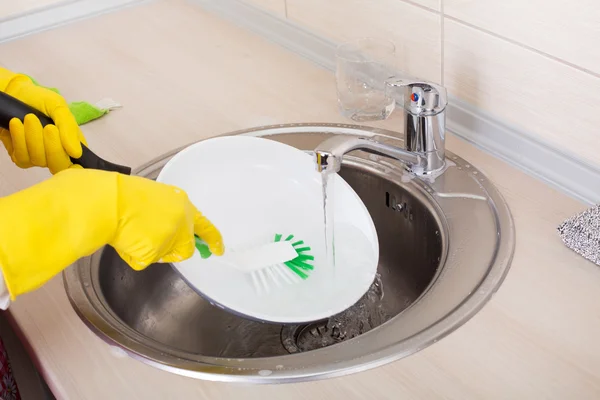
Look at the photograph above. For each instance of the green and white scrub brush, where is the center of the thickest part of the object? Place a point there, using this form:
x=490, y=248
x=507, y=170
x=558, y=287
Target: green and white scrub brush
x=283, y=261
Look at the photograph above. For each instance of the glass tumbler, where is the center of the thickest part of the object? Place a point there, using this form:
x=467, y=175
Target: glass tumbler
x=362, y=68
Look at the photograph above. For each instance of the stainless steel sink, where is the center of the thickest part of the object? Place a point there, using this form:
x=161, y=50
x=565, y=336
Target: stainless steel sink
x=445, y=246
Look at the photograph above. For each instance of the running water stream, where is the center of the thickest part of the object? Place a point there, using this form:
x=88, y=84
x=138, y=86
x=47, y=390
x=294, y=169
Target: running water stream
x=328, y=218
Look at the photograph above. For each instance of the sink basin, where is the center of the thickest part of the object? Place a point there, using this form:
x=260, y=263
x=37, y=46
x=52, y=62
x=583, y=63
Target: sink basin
x=446, y=243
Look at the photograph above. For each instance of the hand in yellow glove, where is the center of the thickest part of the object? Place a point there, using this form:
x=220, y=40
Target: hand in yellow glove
x=27, y=143
x=47, y=227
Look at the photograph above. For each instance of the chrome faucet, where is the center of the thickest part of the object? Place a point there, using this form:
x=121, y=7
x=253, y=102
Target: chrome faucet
x=424, y=106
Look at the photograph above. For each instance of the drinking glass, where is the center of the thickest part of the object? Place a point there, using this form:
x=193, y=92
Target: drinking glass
x=362, y=68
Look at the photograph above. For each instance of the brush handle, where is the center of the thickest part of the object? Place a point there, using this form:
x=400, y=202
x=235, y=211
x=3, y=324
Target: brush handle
x=13, y=108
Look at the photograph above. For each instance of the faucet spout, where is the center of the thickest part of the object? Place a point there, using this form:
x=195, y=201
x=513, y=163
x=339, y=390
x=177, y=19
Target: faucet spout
x=424, y=110
x=329, y=154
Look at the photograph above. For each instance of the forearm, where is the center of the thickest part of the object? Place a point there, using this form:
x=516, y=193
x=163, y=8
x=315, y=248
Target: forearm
x=47, y=227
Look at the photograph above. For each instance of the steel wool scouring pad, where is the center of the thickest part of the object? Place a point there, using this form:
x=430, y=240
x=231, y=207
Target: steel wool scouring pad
x=581, y=233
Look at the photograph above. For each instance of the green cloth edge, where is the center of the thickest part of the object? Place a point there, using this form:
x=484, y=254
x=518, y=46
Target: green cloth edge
x=83, y=111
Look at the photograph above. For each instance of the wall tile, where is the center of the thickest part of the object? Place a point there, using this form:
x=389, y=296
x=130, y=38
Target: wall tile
x=563, y=28
x=415, y=31
x=275, y=6
x=543, y=96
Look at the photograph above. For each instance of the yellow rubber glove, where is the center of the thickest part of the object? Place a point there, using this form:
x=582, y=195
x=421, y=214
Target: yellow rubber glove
x=47, y=227
x=30, y=145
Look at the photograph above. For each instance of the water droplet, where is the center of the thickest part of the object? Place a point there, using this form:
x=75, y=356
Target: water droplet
x=468, y=166
x=265, y=372
x=279, y=367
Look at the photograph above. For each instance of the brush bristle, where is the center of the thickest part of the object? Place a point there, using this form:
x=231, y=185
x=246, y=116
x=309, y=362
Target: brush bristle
x=299, y=265
x=290, y=272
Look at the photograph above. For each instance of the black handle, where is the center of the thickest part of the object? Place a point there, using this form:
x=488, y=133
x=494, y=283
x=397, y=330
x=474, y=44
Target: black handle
x=11, y=108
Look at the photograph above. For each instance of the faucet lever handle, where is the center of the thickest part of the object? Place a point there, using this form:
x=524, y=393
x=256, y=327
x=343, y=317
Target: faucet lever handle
x=421, y=98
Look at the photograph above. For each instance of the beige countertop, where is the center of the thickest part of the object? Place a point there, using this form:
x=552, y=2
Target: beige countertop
x=183, y=75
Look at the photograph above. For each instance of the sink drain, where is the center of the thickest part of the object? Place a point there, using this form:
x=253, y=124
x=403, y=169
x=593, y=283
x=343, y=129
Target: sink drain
x=366, y=314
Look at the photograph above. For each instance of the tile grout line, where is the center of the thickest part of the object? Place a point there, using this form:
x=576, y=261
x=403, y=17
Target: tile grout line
x=443, y=16
x=421, y=6
x=439, y=12
x=285, y=8
x=523, y=46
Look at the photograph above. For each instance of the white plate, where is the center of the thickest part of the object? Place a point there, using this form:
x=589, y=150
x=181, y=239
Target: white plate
x=252, y=188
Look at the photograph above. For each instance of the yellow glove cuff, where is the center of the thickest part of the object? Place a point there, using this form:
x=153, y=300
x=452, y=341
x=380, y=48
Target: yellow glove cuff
x=9, y=78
